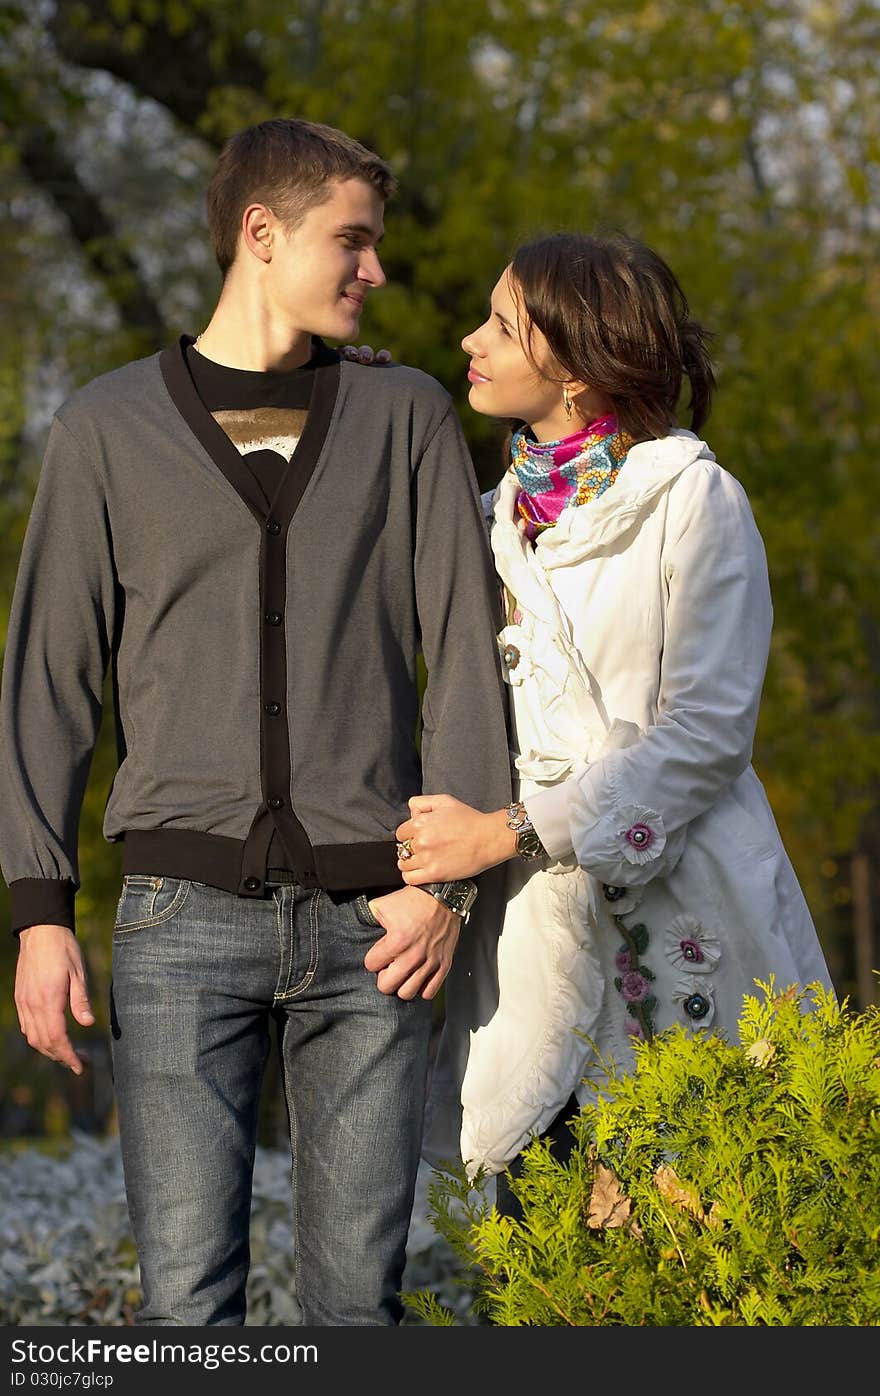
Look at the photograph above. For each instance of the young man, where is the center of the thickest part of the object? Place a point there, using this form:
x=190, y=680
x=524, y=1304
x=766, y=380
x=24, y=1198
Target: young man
x=260, y=539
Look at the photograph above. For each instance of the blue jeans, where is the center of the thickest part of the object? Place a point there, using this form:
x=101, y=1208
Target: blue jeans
x=198, y=974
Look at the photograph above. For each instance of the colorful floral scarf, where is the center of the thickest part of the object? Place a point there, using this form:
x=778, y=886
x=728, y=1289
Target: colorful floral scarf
x=557, y=475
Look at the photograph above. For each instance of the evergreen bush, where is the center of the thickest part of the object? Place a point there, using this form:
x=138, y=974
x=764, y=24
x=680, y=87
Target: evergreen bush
x=717, y=1184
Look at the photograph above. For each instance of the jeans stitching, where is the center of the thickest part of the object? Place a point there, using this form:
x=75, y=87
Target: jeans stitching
x=309, y=975
x=362, y=911
x=279, y=900
x=294, y=1190
x=147, y=922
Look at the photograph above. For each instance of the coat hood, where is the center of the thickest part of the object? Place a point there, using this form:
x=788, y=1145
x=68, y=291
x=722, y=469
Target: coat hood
x=650, y=468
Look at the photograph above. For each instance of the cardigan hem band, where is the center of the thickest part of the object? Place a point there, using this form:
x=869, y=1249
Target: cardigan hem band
x=218, y=861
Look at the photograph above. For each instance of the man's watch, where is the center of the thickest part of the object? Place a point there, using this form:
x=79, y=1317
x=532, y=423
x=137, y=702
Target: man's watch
x=458, y=896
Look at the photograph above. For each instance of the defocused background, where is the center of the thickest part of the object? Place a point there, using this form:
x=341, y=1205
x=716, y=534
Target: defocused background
x=742, y=140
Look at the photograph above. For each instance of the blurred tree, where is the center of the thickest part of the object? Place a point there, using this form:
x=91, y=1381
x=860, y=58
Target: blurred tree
x=741, y=138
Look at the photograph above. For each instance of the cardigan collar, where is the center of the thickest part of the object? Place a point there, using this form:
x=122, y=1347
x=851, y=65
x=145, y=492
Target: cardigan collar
x=324, y=369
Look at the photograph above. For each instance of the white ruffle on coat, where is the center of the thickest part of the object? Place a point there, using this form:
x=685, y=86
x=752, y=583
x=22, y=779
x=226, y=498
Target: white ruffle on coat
x=635, y=654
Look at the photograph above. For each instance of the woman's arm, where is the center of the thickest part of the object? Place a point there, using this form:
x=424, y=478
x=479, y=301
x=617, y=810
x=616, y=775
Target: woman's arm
x=451, y=840
x=626, y=815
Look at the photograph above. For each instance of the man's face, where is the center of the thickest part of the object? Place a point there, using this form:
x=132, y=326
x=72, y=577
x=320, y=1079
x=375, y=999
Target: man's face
x=320, y=273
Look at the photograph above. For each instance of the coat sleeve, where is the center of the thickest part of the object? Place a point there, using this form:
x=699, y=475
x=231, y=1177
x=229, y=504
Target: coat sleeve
x=57, y=652
x=626, y=816
x=465, y=747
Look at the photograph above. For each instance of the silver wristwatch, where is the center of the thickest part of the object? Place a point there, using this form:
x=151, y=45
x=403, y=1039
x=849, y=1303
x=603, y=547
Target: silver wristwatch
x=458, y=896
x=528, y=842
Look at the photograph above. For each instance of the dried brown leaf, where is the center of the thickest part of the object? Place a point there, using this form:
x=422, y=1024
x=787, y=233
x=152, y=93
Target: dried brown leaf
x=761, y=1052
x=609, y=1205
x=684, y=1196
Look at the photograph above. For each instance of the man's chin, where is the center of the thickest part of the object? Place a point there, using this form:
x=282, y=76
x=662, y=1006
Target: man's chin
x=344, y=329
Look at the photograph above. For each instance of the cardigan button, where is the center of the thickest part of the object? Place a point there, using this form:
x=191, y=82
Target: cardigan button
x=274, y=617
x=274, y=527
x=273, y=709
x=252, y=884
x=276, y=802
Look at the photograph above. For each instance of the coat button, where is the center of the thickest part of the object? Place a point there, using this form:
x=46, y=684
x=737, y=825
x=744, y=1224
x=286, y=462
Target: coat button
x=252, y=883
x=697, y=1006
x=273, y=709
x=274, y=527
x=640, y=836
x=274, y=617
x=276, y=802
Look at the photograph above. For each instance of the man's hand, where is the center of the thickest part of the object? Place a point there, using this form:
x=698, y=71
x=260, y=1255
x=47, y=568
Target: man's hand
x=365, y=355
x=51, y=974
x=415, y=954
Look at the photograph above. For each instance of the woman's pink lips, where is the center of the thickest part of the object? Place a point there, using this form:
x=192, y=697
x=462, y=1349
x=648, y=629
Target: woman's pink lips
x=475, y=377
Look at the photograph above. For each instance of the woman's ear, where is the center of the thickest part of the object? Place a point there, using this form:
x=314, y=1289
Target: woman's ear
x=587, y=402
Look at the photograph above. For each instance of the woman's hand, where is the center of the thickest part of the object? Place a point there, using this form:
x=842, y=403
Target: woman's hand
x=451, y=840
x=365, y=355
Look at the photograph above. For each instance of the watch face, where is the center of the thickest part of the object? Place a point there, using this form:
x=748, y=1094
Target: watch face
x=528, y=844
x=458, y=899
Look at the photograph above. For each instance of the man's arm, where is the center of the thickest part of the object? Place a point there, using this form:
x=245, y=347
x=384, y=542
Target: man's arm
x=49, y=976
x=464, y=734
x=414, y=955
x=58, y=647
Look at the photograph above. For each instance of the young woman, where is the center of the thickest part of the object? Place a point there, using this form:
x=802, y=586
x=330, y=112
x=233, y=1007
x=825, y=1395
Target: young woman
x=647, y=881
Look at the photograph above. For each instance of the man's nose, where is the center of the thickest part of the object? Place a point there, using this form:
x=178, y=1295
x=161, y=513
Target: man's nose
x=370, y=269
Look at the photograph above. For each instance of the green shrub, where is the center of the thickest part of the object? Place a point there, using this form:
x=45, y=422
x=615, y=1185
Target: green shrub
x=717, y=1184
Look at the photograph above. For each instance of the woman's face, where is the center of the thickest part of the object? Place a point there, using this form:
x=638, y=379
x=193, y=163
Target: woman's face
x=505, y=381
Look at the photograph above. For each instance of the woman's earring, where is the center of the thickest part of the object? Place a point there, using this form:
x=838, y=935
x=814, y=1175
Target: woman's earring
x=567, y=403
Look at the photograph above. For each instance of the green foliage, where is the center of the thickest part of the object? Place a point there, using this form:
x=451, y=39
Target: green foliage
x=749, y=156
x=717, y=1185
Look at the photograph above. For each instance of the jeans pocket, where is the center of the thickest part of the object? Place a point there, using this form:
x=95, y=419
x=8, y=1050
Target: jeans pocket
x=148, y=901
x=363, y=913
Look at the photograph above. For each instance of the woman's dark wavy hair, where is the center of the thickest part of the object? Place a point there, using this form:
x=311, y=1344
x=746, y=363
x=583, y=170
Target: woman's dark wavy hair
x=616, y=318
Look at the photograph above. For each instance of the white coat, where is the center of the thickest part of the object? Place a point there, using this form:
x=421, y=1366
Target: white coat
x=635, y=656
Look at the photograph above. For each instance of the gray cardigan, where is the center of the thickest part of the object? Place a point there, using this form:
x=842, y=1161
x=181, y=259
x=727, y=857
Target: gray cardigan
x=264, y=664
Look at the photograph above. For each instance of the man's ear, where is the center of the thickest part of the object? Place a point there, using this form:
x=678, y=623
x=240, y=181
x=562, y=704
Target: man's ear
x=258, y=225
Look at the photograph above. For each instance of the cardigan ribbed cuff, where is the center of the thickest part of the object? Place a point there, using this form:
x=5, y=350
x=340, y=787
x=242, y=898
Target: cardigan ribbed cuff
x=42, y=901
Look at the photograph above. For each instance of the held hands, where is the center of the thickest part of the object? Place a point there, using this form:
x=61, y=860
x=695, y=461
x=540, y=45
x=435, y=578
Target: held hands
x=414, y=955
x=451, y=840
x=51, y=973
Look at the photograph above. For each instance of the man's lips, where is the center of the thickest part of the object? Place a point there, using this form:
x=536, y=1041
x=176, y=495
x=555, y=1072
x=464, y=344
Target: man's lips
x=356, y=300
x=474, y=376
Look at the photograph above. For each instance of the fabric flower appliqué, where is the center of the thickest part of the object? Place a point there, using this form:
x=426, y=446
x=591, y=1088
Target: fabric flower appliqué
x=696, y=1002
x=514, y=661
x=690, y=947
x=634, y=980
x=621, y=900
x=640, y=833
